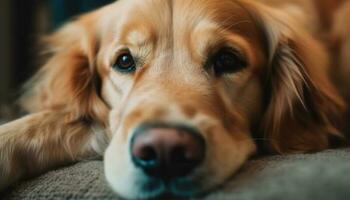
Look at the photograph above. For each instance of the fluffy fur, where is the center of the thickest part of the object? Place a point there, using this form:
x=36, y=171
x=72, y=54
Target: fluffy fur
x=283, y=102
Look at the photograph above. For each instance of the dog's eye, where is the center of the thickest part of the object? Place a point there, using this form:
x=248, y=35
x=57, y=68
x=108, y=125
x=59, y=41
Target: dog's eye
x=125, y=63
x=228, y=61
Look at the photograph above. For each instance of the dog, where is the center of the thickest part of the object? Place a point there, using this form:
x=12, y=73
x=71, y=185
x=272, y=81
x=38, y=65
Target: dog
x=178, y=94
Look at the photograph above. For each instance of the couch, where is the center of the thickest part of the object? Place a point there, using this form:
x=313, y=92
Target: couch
x=319, y=176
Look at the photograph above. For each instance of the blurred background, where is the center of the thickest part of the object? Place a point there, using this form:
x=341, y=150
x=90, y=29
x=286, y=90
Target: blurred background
x=22, y=23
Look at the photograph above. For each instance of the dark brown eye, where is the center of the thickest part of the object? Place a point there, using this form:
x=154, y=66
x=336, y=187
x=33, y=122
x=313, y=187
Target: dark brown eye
x=125, y=63
x=228, y=61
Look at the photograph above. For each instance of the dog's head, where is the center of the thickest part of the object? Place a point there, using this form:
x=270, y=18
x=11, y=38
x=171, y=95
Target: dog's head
x=185, y=88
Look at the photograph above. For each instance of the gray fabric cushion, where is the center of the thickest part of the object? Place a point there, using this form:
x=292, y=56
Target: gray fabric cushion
x=324, y=175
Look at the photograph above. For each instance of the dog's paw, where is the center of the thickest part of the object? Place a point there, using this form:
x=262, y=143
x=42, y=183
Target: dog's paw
x=4, y=175
x=9, y=175
x=9, y=171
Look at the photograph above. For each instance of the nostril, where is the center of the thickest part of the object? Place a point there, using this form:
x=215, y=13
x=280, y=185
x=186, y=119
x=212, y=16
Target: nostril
x=182, y=155
x=145, y=157
x=147, y=154
x=182, y=161
x=178, y=155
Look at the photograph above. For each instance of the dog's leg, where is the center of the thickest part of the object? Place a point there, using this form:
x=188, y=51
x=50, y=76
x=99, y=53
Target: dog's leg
x=35, y=143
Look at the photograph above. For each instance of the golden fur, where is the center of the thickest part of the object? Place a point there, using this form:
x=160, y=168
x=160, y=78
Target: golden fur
x=283, y=102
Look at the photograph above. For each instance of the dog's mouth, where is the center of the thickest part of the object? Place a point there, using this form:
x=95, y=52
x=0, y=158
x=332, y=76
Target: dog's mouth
x=176, y=188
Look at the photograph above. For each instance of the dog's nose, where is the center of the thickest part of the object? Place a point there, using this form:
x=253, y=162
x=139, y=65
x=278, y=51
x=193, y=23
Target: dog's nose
x=167, y=152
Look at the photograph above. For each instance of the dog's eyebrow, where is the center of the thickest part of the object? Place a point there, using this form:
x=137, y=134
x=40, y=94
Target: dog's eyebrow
x=215, y=37
x=137, y=37
x=135, y=34
x=203, y=36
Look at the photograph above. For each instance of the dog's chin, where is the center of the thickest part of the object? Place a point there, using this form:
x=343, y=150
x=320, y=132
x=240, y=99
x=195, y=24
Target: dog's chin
x=178, y=188
x=153, y=188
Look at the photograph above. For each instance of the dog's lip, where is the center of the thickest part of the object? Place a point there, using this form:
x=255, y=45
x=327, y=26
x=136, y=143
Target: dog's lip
x=172, y=189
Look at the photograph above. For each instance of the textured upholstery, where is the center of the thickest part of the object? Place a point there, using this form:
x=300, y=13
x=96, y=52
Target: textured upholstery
x=321, y=176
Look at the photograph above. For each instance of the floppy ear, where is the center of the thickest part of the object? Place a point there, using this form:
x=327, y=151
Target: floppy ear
x=69, y=80
x=302, y=106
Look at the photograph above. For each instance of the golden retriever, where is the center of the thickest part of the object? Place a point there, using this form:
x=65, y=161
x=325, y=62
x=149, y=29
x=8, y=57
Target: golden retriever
x=178, y=94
